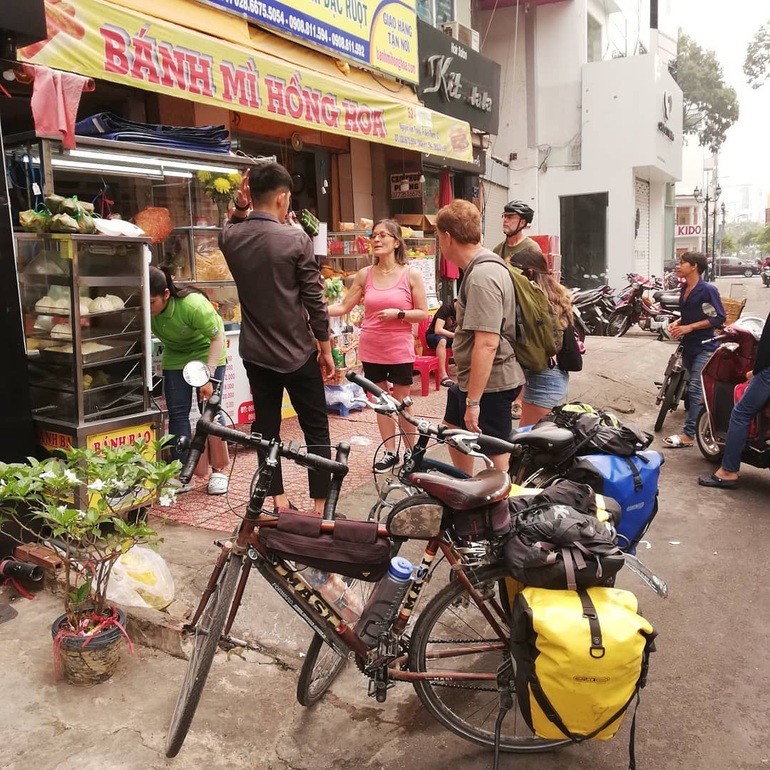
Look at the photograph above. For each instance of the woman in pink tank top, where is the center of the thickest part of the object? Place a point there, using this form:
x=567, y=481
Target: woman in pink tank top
x=394, y=298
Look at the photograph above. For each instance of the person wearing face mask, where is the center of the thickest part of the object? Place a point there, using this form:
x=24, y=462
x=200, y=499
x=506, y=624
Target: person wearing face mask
x=284, y=340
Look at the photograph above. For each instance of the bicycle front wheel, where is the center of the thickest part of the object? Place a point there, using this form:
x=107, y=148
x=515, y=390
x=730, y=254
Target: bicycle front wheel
x=670, y=396
x=207, y=633
x=452, y=635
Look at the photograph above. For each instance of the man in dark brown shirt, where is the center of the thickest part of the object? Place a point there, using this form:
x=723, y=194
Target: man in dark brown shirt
x=284, y=323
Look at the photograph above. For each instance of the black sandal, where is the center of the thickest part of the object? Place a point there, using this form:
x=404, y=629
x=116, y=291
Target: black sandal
x=712, y=480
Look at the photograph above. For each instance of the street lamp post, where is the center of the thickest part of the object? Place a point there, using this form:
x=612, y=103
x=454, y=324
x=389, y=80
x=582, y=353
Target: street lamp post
x=723, y=209
x=706, y=200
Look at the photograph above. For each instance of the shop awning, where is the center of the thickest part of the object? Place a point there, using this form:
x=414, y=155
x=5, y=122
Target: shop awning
x=104, y=41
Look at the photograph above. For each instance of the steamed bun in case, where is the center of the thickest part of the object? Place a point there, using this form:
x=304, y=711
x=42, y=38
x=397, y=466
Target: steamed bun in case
x=106, y=303
x=61, y=332
x=85, y=306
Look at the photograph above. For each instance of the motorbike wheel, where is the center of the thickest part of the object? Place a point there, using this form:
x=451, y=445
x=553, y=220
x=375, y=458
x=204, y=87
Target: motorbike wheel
x=670, y=396
x=618, y=324
x=708, y=446
x=594, y=326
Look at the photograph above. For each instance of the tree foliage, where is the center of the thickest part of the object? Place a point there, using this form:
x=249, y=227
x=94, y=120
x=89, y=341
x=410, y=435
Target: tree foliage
x=757, y=63
x=710, y=106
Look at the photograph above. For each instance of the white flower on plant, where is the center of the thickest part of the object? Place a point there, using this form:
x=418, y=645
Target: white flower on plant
x=164, y=501
x=81, y=514
x=97, y=486
x=61, y=508
x=47, y=475
x=71, y=476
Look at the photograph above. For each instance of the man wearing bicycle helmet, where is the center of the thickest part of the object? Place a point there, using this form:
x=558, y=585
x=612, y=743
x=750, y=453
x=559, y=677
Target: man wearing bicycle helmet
x=517, y=216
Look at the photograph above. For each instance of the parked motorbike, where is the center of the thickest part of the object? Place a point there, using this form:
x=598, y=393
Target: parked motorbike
x=635, y=307
x=727, y=368
x=592, y=308
x=766, y=276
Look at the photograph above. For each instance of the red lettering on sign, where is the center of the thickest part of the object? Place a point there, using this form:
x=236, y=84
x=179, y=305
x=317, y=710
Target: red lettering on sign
x=116, y=43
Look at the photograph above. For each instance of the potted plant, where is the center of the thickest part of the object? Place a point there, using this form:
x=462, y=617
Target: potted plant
x=78, y=496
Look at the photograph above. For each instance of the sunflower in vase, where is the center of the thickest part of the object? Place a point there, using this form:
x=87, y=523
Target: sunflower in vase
x=220, y=188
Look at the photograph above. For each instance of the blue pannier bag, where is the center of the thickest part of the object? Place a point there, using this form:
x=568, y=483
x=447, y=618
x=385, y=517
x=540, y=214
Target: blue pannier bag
x=632, y=481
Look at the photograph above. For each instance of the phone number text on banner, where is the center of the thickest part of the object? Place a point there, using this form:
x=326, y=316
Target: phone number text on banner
x=382, y=36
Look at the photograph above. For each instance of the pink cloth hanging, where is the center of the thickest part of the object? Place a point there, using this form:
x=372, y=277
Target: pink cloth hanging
x=55, y=99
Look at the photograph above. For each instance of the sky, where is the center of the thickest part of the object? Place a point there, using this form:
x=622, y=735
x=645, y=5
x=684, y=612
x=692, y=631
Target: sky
x=727, y=28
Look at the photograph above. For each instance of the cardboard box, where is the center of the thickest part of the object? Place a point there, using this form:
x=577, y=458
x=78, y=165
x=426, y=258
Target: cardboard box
x=424, y=222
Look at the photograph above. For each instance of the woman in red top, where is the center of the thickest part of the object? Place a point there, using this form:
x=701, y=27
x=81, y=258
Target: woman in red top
x=394, y=298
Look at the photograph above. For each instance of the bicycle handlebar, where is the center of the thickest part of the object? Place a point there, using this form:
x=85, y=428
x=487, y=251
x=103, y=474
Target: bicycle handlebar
x=207, y=427
x=463, y=440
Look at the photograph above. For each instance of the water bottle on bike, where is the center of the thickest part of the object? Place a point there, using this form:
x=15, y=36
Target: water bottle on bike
x=385, y=601
x=334, y=589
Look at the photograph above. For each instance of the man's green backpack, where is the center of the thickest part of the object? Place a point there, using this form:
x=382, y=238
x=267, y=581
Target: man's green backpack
x=537, y=334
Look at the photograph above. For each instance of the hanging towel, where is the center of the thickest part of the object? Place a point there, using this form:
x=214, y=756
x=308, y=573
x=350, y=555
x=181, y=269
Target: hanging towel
x=55, y=99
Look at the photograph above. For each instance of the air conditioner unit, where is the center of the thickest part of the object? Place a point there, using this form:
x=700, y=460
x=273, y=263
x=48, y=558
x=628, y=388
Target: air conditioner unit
x=467, y=36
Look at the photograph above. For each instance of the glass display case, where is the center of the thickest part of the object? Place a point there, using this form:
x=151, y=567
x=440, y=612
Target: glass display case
x=86, y=316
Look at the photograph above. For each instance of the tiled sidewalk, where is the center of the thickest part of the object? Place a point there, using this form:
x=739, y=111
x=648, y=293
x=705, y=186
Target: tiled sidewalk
x=359, y=429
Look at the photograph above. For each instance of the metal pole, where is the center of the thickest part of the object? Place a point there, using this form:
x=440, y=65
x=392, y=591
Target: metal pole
x=714, y=232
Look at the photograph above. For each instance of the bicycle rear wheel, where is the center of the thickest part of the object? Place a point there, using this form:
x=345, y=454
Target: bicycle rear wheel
x=207, y=633
x=452, y=635
x=320, y=668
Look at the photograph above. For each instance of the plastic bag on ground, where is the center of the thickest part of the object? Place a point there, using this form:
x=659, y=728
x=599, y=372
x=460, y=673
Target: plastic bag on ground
x=141, y=578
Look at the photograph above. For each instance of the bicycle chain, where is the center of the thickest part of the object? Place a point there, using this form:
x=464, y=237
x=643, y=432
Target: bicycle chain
x=441, y=682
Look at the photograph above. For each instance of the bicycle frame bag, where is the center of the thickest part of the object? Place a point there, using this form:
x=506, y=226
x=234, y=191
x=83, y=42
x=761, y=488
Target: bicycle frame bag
x=557, y=547
x=581, y=659
x=353, y=549
x=632, y=482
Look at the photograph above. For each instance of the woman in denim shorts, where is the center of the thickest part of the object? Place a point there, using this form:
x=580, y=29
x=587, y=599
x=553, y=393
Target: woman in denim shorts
x=546, y=389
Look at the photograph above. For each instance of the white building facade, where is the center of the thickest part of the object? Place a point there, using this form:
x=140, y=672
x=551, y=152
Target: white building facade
x=590, y=134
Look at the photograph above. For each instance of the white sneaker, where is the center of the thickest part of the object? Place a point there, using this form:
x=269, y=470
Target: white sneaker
x=218, y=484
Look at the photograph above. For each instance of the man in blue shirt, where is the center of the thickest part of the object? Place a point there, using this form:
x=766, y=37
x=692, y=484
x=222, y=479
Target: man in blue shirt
x=701, y=312
x=756, y=395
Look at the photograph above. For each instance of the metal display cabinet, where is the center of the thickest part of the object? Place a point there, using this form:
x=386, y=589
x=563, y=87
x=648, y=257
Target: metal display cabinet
x=85, y=304
x=142, y=176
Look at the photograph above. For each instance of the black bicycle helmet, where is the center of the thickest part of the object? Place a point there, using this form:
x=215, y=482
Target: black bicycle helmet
x=527, y=213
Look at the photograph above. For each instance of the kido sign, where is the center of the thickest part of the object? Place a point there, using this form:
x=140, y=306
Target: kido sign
x=682, y=231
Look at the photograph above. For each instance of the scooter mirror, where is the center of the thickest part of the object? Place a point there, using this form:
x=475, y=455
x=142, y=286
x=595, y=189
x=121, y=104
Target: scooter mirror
x=196, y=373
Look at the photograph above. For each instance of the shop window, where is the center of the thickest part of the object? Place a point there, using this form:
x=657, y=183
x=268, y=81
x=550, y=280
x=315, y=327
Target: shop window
x=594, y=39
x=584, y=239
x=436, y=12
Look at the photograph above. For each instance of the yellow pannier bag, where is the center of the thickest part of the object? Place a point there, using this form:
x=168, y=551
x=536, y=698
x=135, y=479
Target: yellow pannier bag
x=581, y=658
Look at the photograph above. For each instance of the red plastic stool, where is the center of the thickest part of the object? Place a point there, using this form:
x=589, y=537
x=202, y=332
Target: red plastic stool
x=425, y=365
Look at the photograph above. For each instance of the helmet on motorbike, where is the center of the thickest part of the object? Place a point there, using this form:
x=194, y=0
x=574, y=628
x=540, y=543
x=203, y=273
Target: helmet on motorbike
x=526, y=212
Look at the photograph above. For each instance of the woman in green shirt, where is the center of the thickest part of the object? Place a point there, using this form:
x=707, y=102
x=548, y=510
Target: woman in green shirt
x=190, y=329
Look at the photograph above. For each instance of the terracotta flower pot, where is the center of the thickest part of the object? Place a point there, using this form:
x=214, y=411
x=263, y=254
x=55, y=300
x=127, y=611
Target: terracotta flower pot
x=87, y=660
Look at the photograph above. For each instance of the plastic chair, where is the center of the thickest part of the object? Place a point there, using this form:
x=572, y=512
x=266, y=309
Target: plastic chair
x=426, y=363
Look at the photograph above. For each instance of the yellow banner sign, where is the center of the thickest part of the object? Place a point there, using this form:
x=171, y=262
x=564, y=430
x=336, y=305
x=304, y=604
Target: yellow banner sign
x=380, y=34
x=102, y=41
